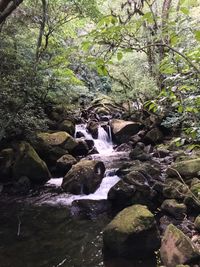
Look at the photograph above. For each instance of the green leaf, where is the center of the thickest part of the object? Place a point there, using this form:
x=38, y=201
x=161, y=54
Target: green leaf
x=119, y=56
x=197, y=35
x=185, y=10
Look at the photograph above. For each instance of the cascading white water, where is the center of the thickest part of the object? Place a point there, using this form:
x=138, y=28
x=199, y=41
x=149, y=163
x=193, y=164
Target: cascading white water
x=103, y=143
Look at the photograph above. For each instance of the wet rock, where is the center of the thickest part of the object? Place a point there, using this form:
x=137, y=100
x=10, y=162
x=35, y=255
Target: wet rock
x=84, y=177
x=193, y=197
x=171, y=206
x=67, y=126
x=123, y=130
x=123, y=148
x=175, y=189
x=89, y=208
x=154, y=136
x=138, y=153
x=81, y=148
x=161, y=153
x=6, y=161
x=186, y=169
x=132, y=233
x=177, y=248
x=92, y=127
x=64, y=164
x=29, y=164
x=23, y=185
x=197, y=223
x=121, y=195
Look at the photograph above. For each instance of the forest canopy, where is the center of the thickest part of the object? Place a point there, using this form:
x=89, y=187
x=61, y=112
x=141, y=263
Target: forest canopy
x=66, y=52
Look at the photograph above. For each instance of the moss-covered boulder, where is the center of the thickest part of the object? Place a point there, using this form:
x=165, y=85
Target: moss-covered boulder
x=67, y=126
x=6, y=162
x=177, y=248
x=84, y=177
x=132, y=233
x=122, y=130
x=92, y=127
x=174, y=208
x=175, y=189
x=29, y=164
x=187, y=169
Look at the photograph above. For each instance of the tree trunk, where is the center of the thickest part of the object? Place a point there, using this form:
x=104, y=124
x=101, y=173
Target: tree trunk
x=7, y=7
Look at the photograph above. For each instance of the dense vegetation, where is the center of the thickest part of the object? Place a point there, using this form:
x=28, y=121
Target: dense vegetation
x=68, y=52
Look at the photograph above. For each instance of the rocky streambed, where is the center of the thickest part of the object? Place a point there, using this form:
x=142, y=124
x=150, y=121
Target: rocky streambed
x=137, y=201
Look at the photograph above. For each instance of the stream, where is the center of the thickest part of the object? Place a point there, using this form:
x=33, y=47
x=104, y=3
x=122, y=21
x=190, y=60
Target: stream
x=39, y=231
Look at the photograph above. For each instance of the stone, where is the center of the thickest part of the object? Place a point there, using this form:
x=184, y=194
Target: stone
x=67, y=126
x=193, y=197
x=138, y=153
x=93, y=128
x=171, y=206
x=154, y=136
x=197, y=223
x=186, y=169
x=132, y=233
x=177, y=248
x=84, y=177
x=29, y=164
x=6, y=161
x=64, y=164
x=122, y=130
x=175, y=189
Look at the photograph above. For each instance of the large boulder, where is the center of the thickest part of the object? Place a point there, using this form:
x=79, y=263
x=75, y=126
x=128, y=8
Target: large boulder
x=93, y=128
x=193, y=197
x=123, y=130
x=6, y=161
x=29, y=164
x=177, y=248
x=153, y=137
x=84, y=177
x=186, y=169
x=132, y=233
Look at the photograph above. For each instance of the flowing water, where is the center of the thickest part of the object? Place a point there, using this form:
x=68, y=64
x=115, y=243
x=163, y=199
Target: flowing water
x=39, y=231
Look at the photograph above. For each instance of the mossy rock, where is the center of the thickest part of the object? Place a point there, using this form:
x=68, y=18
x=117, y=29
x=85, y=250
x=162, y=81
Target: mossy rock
x=132, y=233
x=177, y=248
x=175, y=189
x=29, y=164
x=67, y=126
x=186, y=169
x=193, y=198
x=84, y=177
x=174, y=208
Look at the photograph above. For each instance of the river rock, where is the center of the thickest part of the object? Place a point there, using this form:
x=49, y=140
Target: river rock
x=197, y=223
x=138, y=153
x=193, y=197
x=6, y=161
x=67, y=126
x=153, y=137
x=177, y=248
x=64, y=164
x=186, y=169
x=171, y=206
x=84, y=177
x=123, y=130
x=29, y=164
x=175, y=189
x=93, y=128
x=132, y=233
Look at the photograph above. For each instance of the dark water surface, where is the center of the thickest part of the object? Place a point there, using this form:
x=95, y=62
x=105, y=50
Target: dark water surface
x=47, y=236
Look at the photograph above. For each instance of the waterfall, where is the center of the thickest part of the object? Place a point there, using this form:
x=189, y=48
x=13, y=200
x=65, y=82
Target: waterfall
x=103, y=143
